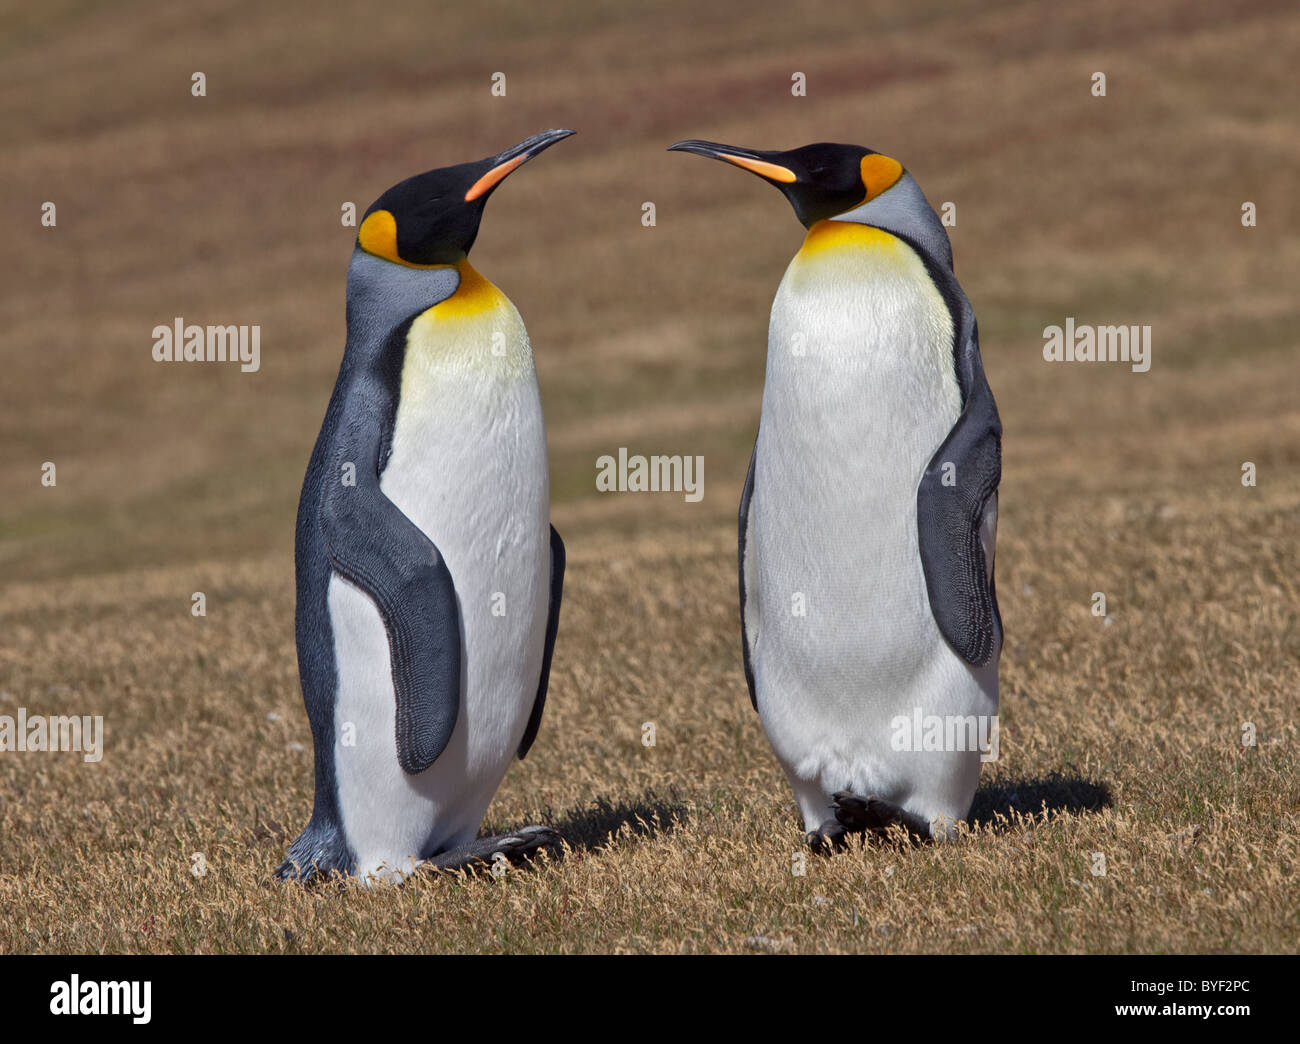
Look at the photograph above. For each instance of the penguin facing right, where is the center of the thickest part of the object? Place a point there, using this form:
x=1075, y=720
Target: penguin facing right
x=869, y=513
x=429, y=577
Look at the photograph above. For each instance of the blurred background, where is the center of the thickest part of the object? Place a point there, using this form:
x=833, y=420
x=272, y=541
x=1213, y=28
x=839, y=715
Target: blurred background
x=225, y=209
x=1123, y=209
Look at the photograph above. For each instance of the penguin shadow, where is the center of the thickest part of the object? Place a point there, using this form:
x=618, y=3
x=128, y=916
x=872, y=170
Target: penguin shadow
x=603, y=823
x=587, y=829
x=1058, y=792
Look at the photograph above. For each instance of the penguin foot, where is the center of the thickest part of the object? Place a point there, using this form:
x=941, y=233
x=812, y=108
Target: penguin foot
x=318, y=853
x=876, y=816
x=482, y=853
x=827, y=838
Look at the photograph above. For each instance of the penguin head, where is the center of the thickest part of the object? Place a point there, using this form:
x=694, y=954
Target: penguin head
x=433, y=218
x=820, y=181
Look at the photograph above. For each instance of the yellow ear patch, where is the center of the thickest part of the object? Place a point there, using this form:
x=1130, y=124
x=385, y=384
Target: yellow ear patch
x=879, y=173
x=378, y=235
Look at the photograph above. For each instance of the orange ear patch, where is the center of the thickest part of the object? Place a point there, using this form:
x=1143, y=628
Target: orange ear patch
x=378, y=235
x=879, y=173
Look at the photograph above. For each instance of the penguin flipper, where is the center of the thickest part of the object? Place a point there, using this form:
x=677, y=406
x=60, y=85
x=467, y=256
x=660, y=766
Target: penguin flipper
x=955, y=502
x=373, y=545
x=552, y=626
x=746, y=584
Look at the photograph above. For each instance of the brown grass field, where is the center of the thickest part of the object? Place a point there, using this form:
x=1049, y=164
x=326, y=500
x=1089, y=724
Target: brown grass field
x=1121, y=737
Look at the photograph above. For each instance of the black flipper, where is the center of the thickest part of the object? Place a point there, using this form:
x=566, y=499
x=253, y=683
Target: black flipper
x=950, y=516
x=552, y=626
x=373, y=545
x=745, y=497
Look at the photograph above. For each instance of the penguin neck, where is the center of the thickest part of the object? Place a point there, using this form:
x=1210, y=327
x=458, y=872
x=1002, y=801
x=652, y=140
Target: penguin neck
x=903, y=211
x=474, y=335
x=382, y=296
x=835, y=234
x=475, y=294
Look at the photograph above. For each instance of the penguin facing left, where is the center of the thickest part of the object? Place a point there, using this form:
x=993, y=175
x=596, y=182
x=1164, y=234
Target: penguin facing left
x=868, y=518
x=429, y=577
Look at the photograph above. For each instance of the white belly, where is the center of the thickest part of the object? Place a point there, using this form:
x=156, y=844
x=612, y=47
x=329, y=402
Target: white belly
x=846, y=639
x=468, y=466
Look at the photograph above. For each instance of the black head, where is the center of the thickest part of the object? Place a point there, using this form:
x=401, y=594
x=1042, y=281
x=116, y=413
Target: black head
x=433, y=218
x=820, y=181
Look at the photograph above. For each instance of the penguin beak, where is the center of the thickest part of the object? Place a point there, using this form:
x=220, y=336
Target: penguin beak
x=501, y=165
x=761, y=163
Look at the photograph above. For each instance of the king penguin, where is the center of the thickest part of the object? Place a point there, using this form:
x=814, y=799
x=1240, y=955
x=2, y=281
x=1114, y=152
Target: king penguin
x=428, y=574
x=869, y=512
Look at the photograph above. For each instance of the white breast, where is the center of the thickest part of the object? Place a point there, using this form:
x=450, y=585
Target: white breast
x=860, y=392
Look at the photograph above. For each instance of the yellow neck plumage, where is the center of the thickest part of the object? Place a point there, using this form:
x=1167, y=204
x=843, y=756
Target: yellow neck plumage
x=477, y=332
x=845, y=235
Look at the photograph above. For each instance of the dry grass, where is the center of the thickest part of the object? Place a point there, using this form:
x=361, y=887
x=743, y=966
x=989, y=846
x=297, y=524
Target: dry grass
x=1119, y=738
